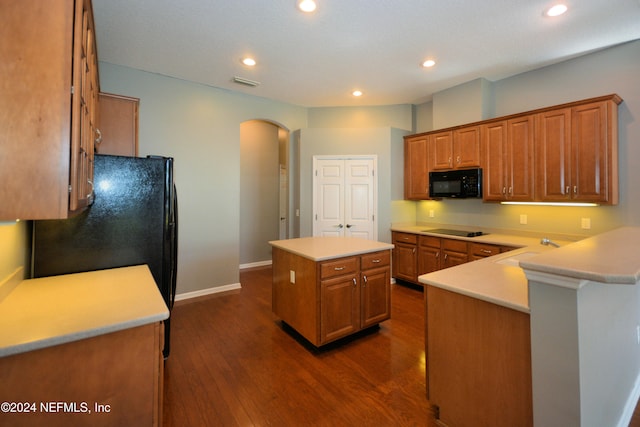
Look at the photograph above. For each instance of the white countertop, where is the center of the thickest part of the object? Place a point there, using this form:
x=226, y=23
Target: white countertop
x=611, y=257
x=494, y=237
x=324, y=248
x=48, y=311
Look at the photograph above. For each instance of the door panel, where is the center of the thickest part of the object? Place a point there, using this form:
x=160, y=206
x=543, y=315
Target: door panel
x=359, y=198
x=345, y=197
x=329, y=217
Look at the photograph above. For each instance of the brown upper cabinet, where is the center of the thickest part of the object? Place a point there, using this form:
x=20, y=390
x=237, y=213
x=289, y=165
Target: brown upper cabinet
x=416, y=168
x=118, y=125
x=564, y=153
x=47, y=108
x=577, y=153
x=457, y=149
x=508, y=168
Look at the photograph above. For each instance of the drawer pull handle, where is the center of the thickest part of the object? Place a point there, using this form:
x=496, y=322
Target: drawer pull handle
x=338, y=268
x=486, y=251
x=376, y=261
x=354, y=281
x=365, y=281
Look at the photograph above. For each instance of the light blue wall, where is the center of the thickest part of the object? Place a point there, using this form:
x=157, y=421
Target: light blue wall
x=200, y=127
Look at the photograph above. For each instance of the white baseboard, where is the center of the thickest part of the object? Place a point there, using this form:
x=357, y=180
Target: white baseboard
x=209, y=291
x=218, y=289
x=630, y=406
x=255, y=264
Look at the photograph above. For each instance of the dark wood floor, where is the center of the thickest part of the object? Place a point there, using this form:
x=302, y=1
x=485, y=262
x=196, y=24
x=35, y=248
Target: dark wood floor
x=233, y=364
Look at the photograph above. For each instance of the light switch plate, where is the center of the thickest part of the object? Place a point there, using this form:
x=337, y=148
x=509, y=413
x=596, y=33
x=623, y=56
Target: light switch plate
x=292, y=276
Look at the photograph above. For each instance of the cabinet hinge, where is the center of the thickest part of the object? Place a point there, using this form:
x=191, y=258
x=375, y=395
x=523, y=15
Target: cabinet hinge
x=316, y=172
x=69, y=188
x=316, y=217
x=72, y=90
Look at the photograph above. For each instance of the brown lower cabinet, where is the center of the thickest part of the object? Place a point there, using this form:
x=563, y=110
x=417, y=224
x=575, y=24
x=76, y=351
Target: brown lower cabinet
x=115, y=379
x=327, y=300
x=478, y=361
x=415, y=255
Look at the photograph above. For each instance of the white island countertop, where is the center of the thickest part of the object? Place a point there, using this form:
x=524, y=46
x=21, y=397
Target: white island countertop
x=611, y=257
x=324, y=248
x=48, y=311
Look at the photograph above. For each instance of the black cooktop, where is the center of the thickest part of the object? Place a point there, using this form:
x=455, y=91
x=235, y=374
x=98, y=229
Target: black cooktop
x=460, y=233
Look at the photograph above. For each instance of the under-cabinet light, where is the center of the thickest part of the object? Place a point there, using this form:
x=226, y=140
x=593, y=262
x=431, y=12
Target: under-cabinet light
x=549, y=203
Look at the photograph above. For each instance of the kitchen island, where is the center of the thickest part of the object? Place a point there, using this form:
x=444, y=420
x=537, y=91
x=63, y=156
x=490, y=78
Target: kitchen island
x=82, y=349
x=327, y=288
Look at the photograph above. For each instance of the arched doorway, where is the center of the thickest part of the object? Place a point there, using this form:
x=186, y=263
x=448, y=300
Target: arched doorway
x=264, y=189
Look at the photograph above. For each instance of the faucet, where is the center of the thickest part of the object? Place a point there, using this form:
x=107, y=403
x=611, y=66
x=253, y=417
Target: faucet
x=545, y=241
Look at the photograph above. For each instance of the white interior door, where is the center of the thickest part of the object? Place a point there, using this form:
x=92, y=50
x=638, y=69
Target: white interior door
x=344, y=199
x=328, y=197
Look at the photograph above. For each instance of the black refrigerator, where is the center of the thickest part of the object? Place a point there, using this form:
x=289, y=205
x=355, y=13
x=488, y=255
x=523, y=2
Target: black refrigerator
x=133, y=220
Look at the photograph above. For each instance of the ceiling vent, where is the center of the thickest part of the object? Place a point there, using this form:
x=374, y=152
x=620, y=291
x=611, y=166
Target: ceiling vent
x=245, y=82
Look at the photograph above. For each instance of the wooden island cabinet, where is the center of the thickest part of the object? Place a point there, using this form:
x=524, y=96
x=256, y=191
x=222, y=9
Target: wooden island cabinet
x=327, y=288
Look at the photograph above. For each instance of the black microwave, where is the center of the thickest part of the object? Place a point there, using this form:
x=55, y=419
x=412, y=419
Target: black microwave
x=461, y=183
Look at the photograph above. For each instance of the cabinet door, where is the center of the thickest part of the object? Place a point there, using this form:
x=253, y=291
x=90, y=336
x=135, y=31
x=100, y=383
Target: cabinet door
x=405, y=261
x=118, y=125
x=590, y=172
x=553, y=155
x=495, y=161
x=428, y=254
x=441, y=151
x=405, y=256
x=376, y=296
x=339, y=307
x=520, y=166
x=466, y=147
x=40, y=108
x=416, y=171
x=454, y=252
x=84, y=105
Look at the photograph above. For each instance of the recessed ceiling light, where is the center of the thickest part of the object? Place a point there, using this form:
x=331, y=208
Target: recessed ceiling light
x=249, y=62
x=556, y=10
x=307, y=5
x=428, y=63
x=356, y=93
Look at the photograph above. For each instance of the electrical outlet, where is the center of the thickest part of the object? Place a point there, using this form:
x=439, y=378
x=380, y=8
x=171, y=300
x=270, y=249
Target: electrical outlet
x=292, y=276
x=585, y=223
x=523, y=219
x=431, y=213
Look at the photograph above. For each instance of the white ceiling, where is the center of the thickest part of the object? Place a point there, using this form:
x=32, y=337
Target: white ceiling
x=376, y=46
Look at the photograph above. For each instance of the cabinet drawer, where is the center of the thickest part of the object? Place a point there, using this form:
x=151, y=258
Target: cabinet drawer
x=430, y=241
x=454, y=245
x=376, y=259
x=339, y=267
x=405, y=238
x=483, y=249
